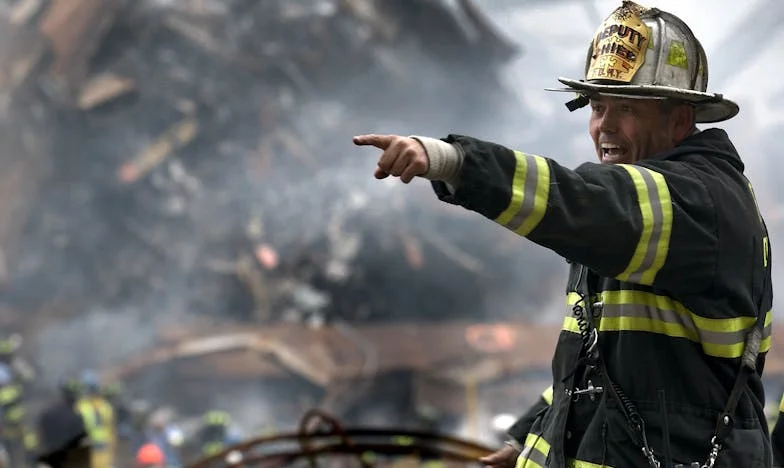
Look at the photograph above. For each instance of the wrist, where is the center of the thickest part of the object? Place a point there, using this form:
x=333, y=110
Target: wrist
x=445, y=160
x=514, y=444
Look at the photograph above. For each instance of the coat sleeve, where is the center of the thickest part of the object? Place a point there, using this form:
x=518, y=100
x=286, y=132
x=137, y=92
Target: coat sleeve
x=619, y=220
x=520, y=429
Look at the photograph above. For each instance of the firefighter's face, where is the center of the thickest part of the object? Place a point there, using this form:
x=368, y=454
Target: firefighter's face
x=628, y=130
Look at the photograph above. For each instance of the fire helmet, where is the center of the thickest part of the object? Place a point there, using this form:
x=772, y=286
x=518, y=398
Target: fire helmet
x=647, y=53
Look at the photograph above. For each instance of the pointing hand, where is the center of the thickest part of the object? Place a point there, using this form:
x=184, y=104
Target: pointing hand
x=403, y=157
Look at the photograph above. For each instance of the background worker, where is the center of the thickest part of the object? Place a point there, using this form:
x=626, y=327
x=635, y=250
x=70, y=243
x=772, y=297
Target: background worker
x=98, y=416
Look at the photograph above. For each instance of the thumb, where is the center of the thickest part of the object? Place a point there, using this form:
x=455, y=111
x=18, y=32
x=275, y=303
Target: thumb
x=379, y=141
x=380, y=174
x=499, y=456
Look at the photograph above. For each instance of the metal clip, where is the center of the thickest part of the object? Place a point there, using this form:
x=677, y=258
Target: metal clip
x=590, y=390
x=714, y=454
x=597, y=308
x=652, y=461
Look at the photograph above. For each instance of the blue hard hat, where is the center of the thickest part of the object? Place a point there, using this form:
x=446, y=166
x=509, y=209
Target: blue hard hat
x=90, y=380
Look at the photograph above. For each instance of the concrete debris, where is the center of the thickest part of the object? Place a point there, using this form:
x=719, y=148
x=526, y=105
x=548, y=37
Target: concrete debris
x=198, y=153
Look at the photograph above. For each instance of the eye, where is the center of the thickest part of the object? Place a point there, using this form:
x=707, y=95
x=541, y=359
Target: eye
x=626, y=108
x=597, y=108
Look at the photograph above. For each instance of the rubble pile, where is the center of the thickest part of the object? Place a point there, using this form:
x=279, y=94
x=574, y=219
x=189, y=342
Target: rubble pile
x=195, y=155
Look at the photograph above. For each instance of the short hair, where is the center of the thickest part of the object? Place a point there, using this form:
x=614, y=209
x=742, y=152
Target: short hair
x=668, y=105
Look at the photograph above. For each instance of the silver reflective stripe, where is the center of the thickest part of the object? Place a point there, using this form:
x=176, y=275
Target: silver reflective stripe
x=529, y=194
x=534, y=455
x=670, y=316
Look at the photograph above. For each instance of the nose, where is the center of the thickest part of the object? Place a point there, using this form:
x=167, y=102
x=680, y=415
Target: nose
x=608, y=122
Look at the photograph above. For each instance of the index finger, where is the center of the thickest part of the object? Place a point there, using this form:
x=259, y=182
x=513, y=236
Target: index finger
x=379, y=141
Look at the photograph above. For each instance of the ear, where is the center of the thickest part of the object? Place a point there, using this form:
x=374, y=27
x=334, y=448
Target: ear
x=682, y=121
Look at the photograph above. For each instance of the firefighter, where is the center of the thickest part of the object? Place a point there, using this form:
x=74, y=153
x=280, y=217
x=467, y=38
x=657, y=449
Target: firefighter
x=22, y=370
x=12, y=392
x=63, y=440
x=165, y=436
x=777, y=437
x=17, y=434
x=216, y=434
x=660, y=355
x=12, y=416
x=98, y=416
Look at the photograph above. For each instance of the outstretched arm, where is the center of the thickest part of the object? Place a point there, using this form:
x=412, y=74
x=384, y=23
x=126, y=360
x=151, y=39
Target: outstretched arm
x=618, y=220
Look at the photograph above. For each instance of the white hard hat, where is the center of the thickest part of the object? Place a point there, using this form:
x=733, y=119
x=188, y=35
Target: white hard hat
x=175, y=436
x=234, y=457
x=647, y=53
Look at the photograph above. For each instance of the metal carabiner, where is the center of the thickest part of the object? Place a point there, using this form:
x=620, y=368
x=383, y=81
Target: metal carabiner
x=596, y=309
x=714, y=454
x=652, y=461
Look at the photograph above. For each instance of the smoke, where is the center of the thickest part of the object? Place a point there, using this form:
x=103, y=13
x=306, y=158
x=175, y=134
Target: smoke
x=273, y=163
x=96, y=339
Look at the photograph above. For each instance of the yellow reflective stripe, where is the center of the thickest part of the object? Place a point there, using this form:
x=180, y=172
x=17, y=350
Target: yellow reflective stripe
x=97, y=425
x=572, y=463
x=767, y=332
x=765, y=240
x=432, y=464
x=729, y=351
x=535, y=452
x=211, y=448
x=9, y=394
x=653, y=198
x=530, y=191
x=765, y=344
x=630, y=310
x=30, y=440
x=781, y=404
x=754, y=197
x=13, y=414
x=632, y=297
x=547, y=395
x=107, y=412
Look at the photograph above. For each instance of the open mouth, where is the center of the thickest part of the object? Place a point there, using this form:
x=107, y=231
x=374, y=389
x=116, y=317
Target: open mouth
x=612, y=152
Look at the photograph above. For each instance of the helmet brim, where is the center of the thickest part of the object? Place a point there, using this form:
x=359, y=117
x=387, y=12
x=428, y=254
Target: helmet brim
x=709, y=107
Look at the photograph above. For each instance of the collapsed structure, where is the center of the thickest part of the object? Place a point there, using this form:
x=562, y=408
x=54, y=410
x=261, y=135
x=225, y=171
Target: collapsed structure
x=187, y=166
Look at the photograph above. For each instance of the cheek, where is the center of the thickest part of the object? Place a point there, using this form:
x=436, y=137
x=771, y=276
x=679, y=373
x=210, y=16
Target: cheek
x=593, y=130
x=633, y=136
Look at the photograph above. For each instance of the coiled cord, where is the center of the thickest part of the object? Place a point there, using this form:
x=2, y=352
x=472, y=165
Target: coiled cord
x=582, y=322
